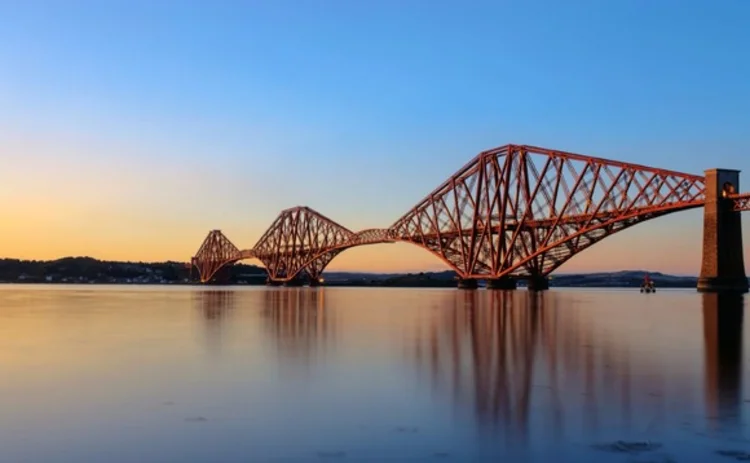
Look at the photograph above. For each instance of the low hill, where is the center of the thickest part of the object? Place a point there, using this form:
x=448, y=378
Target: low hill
x=624, y=278
x=90, y=270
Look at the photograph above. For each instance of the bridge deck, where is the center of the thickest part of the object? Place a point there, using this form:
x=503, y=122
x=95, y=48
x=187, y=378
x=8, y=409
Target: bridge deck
x=379, y=236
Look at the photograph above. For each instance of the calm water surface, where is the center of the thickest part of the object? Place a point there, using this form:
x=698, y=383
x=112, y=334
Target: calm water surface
x=152, y=374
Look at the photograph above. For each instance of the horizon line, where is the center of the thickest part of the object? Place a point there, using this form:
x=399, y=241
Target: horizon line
x=366, y=272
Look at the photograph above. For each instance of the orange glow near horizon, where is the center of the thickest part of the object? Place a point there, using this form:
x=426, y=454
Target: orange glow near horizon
x=63, y=232
x=129, y=130
x=65, y=201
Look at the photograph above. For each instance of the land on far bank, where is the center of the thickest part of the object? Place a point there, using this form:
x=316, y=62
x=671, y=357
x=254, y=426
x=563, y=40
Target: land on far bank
x=86, y=270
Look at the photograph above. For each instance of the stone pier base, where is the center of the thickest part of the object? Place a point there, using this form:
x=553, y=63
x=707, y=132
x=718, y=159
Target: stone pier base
x=538, y=283
x=723, y=267
x=467, y=284
x=501, y=283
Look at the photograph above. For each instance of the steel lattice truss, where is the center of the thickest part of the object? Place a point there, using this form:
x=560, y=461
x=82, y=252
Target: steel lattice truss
x=524, y=210
x=515, y=210
x=372, y=236
x=300, y=239
x=742, y=202
x=215, y=252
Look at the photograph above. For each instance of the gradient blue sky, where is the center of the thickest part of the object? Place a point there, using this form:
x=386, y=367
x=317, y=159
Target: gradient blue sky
x=129, y=129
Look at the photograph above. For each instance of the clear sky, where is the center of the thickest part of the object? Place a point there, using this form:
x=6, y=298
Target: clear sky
x=129, y=129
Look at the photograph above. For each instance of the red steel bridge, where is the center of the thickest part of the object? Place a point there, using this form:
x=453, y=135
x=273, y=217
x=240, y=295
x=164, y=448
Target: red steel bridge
x=513, y=212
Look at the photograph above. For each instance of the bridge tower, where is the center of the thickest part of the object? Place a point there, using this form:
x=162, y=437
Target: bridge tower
x=723, y=267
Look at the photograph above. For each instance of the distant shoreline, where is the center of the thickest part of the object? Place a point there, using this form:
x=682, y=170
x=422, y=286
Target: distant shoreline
x=328, y=285
x=86, y=270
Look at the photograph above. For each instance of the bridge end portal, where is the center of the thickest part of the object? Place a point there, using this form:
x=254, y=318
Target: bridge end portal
x=722, y=267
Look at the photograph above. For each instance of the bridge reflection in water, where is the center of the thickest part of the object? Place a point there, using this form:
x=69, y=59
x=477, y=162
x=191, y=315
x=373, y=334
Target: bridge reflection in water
x=723, y=316
x=498, y=352
x=214, y=306
x=524, y=367
x=515, y=361
x=298, y=321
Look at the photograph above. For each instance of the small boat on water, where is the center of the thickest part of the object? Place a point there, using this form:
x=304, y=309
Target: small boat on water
x=648, y=285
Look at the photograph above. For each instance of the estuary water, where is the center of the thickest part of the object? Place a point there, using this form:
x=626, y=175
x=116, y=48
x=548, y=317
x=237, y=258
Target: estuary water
x=189, y=374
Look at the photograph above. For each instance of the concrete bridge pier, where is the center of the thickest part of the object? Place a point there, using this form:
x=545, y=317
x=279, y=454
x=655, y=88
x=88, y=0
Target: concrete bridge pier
x=538, y=283
x=723, y=267
x=467, y=283
x=294, y=282
x=505, y=282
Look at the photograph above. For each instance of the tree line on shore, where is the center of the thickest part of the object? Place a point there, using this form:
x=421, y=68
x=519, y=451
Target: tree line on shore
x=90, y=270
x=87, y=269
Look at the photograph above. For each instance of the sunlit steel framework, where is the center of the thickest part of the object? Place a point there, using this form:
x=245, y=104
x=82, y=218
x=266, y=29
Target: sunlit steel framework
x=741, y=202
x=299, y=243
x=517, y=210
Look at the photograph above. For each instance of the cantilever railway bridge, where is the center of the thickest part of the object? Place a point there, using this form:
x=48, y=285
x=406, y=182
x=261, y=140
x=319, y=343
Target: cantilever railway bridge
x=512, y=212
